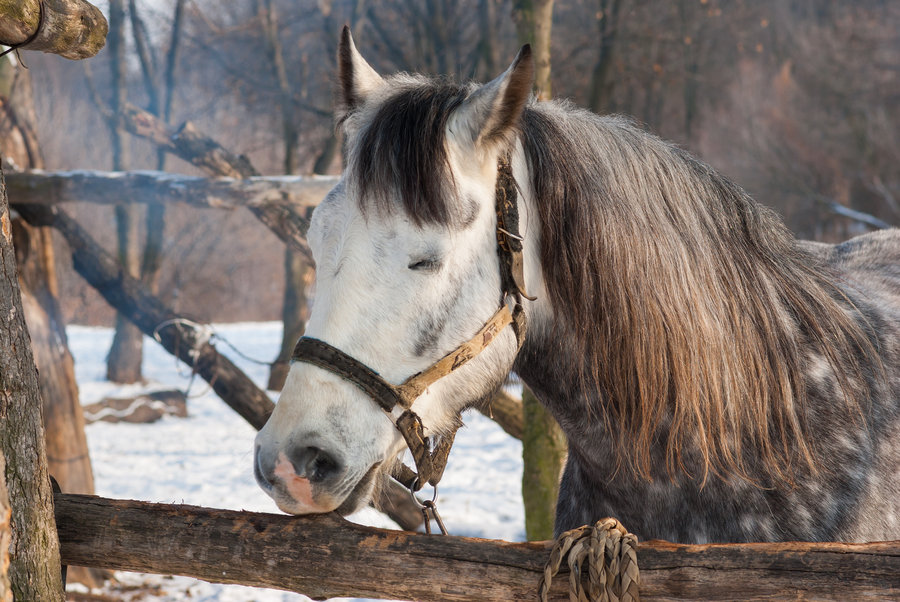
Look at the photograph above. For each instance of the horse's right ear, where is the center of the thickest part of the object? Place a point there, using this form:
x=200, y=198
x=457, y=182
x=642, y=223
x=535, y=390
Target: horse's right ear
x=356, y=78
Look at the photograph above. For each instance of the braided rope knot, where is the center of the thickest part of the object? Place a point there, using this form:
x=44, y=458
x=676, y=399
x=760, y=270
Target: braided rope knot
x=610, y=552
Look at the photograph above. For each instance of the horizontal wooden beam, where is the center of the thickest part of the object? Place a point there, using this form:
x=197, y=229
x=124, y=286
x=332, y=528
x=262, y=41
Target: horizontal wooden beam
x=325, y=556
x=282, y=203
x=74, y=29
x=111, y=187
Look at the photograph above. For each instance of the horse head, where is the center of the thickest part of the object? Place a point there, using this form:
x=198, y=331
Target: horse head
x=406, y=251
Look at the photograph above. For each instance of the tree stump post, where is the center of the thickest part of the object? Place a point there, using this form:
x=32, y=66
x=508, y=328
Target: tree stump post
x=35, y=568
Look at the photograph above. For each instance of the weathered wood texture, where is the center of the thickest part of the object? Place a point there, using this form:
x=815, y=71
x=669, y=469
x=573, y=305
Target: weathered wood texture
x=325, y=556
x=188, y=143
x=51, y=188
x=34, y=572
x=130, y=297
x=288, y=219
x=281, y=203
x=73, y=29
x=5, y=535
x=66, y=445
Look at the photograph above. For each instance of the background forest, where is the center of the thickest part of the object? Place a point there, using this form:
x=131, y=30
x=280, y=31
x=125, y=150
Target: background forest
x=796, y=100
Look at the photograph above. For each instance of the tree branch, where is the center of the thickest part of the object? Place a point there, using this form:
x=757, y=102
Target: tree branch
x=130, y=298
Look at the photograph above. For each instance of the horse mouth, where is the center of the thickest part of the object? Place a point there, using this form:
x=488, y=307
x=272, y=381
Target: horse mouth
x=361, y=492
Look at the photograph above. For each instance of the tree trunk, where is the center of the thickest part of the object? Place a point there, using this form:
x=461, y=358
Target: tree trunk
x=543, y=442
x=601, y=87
x=6, y=594
x=123, y=365
x=156, y=213
x=534, y=21
x=298, y=270
x=35, y=569
x=298, y=275
x=543, y=455
x=74, y=29
x=487, y=55
x=67, y=451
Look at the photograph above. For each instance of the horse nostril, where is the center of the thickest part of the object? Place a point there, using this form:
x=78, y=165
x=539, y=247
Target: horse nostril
x=314, y=463
x=262, y=474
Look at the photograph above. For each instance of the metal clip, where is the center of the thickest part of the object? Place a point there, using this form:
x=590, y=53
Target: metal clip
x=429, y=510
x=430, y=505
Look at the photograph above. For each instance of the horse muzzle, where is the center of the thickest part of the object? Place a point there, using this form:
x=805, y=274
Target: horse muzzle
x=305, y=479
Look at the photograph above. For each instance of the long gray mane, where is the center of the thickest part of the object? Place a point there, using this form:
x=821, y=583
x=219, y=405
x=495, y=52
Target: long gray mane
x=695, y=309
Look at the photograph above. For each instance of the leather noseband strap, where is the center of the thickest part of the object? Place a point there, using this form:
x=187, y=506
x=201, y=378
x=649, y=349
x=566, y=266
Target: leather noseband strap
x=431, y=457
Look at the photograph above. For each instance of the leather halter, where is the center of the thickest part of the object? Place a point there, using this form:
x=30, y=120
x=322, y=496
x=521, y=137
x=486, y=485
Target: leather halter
x=431, y=457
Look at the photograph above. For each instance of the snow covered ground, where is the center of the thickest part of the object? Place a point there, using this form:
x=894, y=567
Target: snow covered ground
x=205, y=459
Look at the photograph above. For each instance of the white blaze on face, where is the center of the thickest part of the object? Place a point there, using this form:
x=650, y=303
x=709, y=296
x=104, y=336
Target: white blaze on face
x=397, y=297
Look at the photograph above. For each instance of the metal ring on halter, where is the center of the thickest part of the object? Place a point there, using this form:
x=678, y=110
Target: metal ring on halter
x=428, y=508
x=412, y=492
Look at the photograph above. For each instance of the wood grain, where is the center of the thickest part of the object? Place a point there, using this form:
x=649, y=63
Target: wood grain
x=325, y=556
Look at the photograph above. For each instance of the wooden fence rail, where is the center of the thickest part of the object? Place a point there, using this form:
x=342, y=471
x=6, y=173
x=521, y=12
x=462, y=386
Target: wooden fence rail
x=111, y=187
x=326, y=556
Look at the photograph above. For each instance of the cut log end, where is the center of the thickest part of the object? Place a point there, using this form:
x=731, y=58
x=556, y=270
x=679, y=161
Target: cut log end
x=73, y=29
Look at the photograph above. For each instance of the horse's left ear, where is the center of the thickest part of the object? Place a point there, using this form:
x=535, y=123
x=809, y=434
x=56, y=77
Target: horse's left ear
x=492, y=112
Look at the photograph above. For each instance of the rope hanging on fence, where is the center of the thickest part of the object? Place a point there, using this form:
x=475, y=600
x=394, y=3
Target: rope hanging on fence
x=610, y=553
x=202, y=334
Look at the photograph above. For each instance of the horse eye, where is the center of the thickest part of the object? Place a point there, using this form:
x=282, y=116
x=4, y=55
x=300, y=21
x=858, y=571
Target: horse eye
x=428, y=264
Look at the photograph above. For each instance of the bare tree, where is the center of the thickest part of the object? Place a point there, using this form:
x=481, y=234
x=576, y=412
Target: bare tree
x=123, y=364
x=298, y=269
x=34, y=547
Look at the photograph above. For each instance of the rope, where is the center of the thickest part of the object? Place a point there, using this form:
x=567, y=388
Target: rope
x=610, y=552
x=203, y=334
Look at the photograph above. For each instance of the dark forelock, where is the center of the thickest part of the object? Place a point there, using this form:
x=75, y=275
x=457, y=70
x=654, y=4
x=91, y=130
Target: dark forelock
x=401, y=152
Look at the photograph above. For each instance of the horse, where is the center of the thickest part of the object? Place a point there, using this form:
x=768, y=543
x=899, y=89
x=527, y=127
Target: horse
x=717, y=379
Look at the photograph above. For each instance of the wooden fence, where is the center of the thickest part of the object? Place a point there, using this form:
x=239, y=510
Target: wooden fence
x=325, y=556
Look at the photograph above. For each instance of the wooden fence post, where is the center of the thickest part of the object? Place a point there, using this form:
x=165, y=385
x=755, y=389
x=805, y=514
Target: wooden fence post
x=35, y=569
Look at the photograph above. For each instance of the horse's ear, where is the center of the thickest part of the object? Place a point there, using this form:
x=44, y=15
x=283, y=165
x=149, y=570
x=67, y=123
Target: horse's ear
x=356, y=78
x=492, y=112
